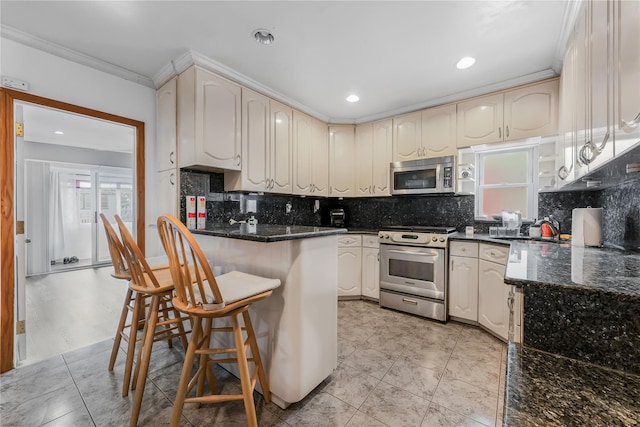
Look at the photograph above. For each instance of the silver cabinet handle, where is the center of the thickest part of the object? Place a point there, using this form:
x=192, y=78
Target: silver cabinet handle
x=587, y=158
x=632, y=125
x=172, y=178
x=409, y=301
x=500, y=132
x=273, y=183
x=507, y=129
x=563, y=172
x=451, y=265
x=238, y=160
x=171, y=159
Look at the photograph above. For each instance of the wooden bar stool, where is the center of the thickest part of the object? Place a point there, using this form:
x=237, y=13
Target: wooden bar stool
x=205, y=298
x=162, y=322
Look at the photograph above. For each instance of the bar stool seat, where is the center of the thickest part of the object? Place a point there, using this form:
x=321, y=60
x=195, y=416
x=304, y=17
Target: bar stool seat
x=206, y=298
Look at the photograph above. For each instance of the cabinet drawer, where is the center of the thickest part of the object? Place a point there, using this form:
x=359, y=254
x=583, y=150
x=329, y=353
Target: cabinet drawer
x=370, y=241
x=494, y=253
x=468, y=249
x=349, y=241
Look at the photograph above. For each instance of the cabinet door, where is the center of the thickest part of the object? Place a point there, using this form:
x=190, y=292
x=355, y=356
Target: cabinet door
x=566, y=149
x=531, y=111
x=341, y=160
x=463, y=287
x=166, y=100
x=439, y=131
x=167, y=200
x=371, y=273
x=407, y=137
x=320, y=159
x=281, y=147
x=580, y=88
x=349, y=271
x=493, y=311
x=302, y=142
x=627, y=75
x=255, y=141
x=364, y=160
x=218, y=124
x=479, y=121
x=382, y=156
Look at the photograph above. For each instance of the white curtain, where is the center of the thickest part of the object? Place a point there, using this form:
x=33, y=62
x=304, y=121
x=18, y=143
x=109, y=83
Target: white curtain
x=56, y=221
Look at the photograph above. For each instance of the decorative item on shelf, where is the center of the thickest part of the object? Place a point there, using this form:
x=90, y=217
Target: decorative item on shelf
x=201, y=210
x=190, y=212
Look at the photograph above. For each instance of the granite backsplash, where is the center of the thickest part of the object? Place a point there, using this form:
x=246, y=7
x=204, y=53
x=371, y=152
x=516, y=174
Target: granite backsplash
x=621, y=216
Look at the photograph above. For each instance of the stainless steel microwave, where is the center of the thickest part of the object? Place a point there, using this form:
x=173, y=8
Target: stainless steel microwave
x=424, y=176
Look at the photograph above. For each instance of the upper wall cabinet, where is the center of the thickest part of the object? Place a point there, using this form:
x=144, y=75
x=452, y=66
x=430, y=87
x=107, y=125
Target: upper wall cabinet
x=407, y=137
x=310, y=156
x=510, y=115
x=209, y=126
x=341, y=160
x=266, y=146
x=439, y=131
x=166, y=102
x=372, y=158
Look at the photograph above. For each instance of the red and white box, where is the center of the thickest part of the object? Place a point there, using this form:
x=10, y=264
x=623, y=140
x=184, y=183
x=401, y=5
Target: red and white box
x=201, y=210
x=191, y=212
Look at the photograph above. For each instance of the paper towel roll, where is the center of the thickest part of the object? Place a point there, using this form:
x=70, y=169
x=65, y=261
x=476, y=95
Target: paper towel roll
x=586, y=227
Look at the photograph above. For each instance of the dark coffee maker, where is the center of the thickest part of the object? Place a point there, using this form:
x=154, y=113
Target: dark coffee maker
x=336, y=217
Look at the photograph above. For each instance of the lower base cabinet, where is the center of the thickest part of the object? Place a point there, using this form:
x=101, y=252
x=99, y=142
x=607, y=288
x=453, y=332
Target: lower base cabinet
x=358, y=266
x=477, y=292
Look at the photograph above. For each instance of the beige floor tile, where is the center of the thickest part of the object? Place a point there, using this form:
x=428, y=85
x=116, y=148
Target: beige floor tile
x=471, y=401
x=439, y=416
x=322, y=409
x=371, y=361
x=427, y=355
x=413, y=378
x=394, y=407
x=480, y=371
x=350, y=384
x=360, y=419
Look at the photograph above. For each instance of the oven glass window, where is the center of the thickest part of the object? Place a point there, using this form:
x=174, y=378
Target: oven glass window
x=411, y=270
x=412, y=180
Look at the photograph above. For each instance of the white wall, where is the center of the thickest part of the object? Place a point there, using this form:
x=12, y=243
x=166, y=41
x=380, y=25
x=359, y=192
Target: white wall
x=56, y=78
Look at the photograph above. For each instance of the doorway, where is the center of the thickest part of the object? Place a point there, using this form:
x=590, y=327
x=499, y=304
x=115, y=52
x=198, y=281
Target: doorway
x=12, y=238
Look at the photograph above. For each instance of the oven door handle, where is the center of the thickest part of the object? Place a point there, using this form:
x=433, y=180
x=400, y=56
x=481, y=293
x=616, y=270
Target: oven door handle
x=430, y=254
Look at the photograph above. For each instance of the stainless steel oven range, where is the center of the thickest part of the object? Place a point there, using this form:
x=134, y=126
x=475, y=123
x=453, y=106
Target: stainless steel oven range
x=413, y=273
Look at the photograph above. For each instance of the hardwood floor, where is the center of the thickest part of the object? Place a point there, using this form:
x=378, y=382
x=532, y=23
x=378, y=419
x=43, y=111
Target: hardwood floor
x=72, y=309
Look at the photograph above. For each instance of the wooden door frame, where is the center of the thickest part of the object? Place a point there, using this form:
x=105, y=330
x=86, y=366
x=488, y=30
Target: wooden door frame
x=7, y=202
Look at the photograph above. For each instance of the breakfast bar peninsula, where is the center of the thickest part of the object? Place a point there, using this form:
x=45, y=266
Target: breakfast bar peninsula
x=296, y=327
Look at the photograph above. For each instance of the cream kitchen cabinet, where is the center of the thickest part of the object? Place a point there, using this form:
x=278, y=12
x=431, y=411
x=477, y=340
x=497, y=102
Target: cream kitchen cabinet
x=426, y=133
x=370, y=267
x=463, y=280
x=341, y=161
x=350, y=266
x=310, y=156
x=510, y=115
x=266, y=146
x=407, y=137
x=373, y=154
x=166, y=113
x=493, y=293
x=209, y=121
x=167, y=192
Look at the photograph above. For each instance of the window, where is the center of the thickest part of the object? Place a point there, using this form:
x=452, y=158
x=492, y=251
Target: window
x=506, y=181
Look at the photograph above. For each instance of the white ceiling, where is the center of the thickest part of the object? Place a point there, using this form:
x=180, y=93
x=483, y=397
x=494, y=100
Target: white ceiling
x=396, y=55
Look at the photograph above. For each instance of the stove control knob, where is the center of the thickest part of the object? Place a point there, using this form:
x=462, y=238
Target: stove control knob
x=386, y=236
x=434, y=238
x=442, y=239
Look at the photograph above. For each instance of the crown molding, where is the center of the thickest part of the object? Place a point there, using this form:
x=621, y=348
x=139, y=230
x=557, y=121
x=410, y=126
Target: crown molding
x=72, y=55
x=568, y=21
x=459, y=96
x=191, y=57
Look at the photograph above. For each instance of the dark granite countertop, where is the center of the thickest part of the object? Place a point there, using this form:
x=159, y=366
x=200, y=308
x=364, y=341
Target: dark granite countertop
x=544, y=389
x=560, y=264
x=268, y=232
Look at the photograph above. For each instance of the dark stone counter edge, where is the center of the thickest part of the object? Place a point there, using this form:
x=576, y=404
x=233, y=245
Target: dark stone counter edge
x=272, y=238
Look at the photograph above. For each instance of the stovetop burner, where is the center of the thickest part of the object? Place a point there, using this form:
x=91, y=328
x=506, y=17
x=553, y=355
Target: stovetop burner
x=422, y=229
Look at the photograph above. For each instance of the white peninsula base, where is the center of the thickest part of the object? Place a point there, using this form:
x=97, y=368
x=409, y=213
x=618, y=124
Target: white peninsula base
x=296, y=327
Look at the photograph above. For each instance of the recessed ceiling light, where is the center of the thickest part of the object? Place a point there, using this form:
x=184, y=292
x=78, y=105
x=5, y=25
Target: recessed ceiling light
x=353, y=98
x=263, y=36
x=59, y=132
x=465, y=62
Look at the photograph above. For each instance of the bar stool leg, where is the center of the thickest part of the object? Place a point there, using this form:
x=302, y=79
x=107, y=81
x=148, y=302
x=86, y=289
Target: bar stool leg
x=203, y=365
x=257, y=360
x=144, y=357
x=245, y=377
x=138, y=307
x=181, y=394
x=121, y=324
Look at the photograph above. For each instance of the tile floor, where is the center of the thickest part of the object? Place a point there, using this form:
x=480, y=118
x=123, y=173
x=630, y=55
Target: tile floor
x=393, y=370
